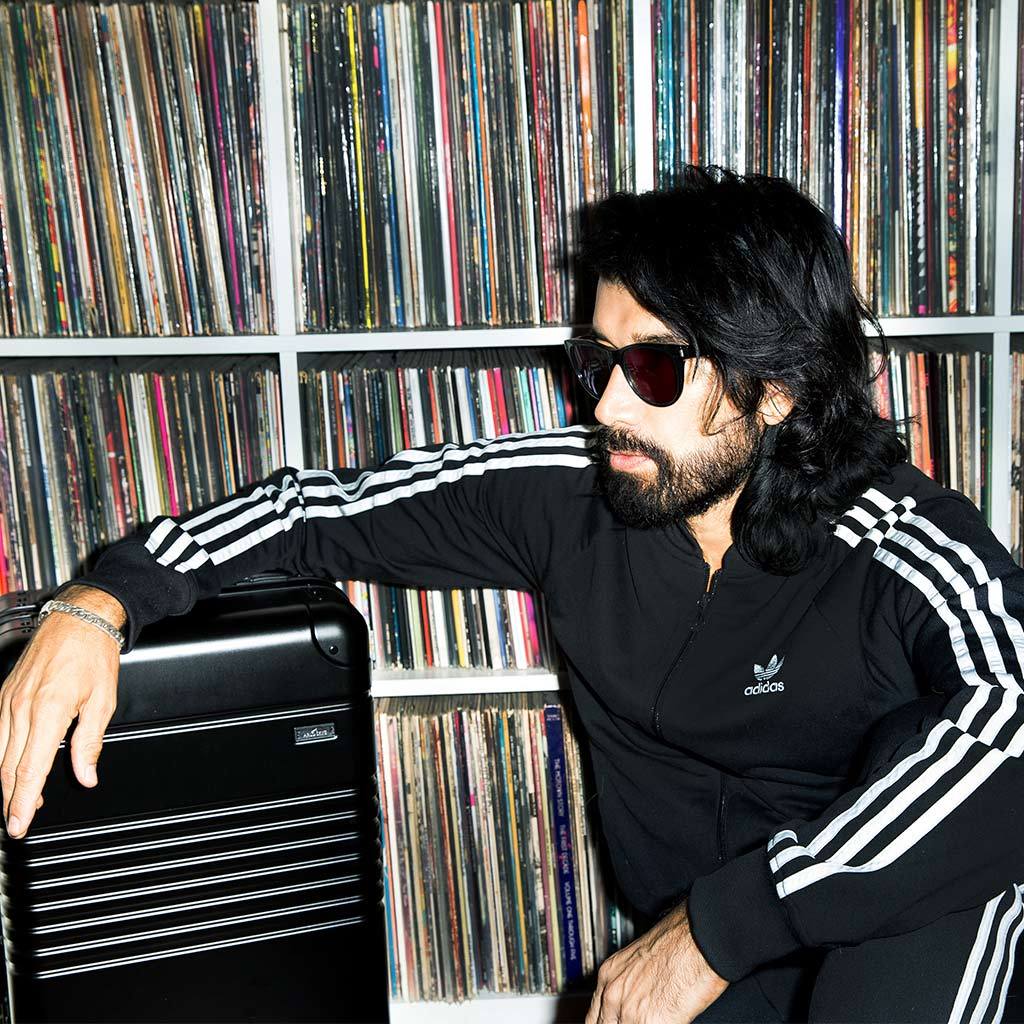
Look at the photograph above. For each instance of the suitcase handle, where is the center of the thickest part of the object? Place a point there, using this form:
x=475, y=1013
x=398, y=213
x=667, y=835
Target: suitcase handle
x=271, y=576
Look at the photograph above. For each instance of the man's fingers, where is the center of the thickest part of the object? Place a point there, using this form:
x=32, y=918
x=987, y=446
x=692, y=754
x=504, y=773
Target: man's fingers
x=47, y=731
x=5, y=711
x=5, y=736
x=38, y=700
x=17, y=736
x=87, y=741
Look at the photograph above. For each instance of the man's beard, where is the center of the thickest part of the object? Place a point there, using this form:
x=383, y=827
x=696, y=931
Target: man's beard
x=680, y=489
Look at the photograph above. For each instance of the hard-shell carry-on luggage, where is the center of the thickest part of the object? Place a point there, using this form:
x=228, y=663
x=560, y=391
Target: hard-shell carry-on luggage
x=227, y=867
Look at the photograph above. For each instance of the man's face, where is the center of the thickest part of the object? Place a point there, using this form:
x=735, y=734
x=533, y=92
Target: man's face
x=658, y=466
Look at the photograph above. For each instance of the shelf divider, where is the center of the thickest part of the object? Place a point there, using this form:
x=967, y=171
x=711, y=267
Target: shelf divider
x=1006, y=137
x=275, y=156
x=643, y=98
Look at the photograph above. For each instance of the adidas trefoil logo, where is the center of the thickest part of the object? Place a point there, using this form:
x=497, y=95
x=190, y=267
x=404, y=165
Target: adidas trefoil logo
x=764, y=674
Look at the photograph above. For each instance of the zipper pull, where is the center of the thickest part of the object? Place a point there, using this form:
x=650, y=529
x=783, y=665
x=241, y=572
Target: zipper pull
x=708, y=590
x=704, y=592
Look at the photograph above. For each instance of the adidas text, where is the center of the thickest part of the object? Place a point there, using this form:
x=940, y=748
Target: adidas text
x=764, y=688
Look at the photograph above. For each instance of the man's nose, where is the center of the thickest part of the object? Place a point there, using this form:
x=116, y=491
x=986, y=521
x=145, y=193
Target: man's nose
x=618, y=403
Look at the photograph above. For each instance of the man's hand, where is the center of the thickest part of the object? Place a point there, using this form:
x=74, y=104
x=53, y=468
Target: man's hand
x=69, y=668
x=661, y=978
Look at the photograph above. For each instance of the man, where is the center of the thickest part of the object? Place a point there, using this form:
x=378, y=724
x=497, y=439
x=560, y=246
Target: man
x=798, y=660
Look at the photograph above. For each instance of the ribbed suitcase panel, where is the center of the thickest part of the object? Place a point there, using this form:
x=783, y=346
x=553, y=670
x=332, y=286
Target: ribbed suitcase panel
x=122, y=896
x=96, y=897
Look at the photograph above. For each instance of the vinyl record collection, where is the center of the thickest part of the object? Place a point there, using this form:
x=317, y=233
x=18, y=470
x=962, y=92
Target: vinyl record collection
x=131, y=170
x=941, y=403
x=359, y=409
x=880, y=110
x=493, y=875
x=441, y=151
x=89, y=454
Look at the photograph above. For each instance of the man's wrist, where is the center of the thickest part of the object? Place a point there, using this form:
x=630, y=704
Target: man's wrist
x=95, y=600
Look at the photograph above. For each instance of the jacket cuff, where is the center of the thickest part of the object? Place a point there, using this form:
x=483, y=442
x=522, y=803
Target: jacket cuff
x=737, y=919
x=147, y=590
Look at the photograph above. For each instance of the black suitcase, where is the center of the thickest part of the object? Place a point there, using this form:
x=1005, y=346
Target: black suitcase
x=228, y=866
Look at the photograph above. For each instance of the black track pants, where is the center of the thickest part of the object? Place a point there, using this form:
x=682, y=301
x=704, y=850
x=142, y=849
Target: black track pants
x=956, y=969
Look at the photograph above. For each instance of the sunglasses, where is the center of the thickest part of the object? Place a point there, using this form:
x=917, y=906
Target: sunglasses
x=654, y=371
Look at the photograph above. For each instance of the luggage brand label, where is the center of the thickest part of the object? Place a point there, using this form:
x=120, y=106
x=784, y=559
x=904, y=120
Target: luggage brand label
x=315, y=733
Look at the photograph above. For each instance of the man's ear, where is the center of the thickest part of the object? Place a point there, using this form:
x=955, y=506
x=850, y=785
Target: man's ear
x=775, y=406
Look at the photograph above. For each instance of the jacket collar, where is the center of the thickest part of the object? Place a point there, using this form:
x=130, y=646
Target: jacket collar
x=735, y=564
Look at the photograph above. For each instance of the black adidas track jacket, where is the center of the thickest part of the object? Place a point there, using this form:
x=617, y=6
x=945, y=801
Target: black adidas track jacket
x=816, y=759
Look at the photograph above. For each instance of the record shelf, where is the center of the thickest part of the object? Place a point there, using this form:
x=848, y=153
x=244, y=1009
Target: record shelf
x=289, y=342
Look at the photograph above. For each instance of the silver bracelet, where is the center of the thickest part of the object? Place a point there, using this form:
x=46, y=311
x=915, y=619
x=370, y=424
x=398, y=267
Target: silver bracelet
x=86, y=615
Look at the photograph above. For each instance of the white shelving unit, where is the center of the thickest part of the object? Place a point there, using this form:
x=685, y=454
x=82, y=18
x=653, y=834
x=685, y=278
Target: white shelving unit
x=396, y=683
x=289, y=342
x=494, y=1010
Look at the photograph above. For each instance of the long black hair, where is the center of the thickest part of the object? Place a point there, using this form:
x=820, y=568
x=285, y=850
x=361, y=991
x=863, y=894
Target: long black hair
x=758, y=276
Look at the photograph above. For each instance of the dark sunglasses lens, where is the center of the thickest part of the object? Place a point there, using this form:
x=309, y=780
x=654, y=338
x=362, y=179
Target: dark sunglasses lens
x=653, y=375
x=592, y=366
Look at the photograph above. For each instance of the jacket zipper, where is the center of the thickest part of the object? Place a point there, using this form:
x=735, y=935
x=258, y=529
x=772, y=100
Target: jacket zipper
x=702, y=606
x=721, y=819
